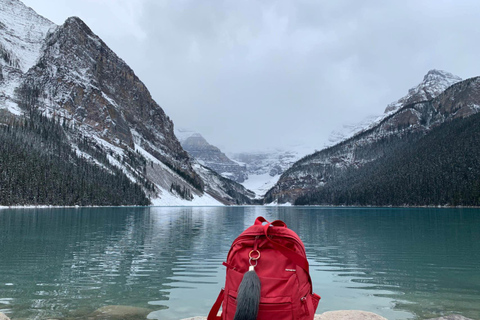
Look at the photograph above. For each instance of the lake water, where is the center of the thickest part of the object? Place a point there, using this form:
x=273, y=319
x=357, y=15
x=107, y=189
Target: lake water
x=399, y=263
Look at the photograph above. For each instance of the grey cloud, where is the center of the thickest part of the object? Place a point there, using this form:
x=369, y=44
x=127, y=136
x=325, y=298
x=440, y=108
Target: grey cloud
x=249, y=74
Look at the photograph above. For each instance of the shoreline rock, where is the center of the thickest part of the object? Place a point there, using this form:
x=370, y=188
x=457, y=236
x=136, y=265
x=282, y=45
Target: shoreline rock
x=348, y=315
x=334, y=315
x=126, y=312
x=356, y=315
x=120, y=312
x=451, y=317
x=3, y=316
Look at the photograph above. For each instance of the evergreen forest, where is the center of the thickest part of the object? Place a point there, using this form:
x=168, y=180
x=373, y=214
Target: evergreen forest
x=39, y=167
x=440, y=169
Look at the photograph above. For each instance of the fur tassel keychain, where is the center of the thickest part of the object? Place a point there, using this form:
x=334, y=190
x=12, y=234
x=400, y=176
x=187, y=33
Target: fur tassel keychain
x=248, y=298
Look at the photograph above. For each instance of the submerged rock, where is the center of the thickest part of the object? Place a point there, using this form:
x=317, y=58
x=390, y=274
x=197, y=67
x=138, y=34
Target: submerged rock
x=120, y=312
x=451, y=317
x=337, y=315
x=348, y=315
x=3, y=316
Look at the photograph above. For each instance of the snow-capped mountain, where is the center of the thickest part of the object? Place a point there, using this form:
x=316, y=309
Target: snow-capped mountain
x=349, y=130
x=415, y=118
x=210, y=156
x=256, y=171
x=265, y=167
x=22, y=34
x=434, y=83
x=69, y=74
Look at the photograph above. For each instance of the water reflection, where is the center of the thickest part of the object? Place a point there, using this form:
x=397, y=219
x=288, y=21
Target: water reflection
x=395, y=262
x=426, y=261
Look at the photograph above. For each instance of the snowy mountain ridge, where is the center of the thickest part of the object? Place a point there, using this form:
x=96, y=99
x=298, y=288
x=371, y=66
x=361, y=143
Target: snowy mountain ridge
x=265, y=167
x=434, y=83
x=414, y=118
x=70, y=75
x=257, y=171
x=22, y=35
x=210, y=156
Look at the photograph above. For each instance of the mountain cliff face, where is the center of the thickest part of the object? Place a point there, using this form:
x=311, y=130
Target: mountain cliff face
x=79, y=79
x=68, y=74
x=211, y=156
x=434, y=83
x=440, y=168
x=407, y=125
x=22, y=34
x=256, y=171
x=265, y=168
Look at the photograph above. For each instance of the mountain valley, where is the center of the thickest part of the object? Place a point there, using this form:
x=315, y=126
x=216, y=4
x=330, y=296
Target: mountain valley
x=68, y=74
x=78, y=127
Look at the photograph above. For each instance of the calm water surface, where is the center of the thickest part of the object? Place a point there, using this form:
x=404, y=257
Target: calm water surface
x=399, y=263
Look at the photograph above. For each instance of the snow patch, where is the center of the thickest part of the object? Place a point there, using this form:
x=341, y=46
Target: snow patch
x=168, y=199
x=23, y=33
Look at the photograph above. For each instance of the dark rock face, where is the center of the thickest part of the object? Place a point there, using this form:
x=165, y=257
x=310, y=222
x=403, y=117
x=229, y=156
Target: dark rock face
x=460, y=100
x=68, y=74
x=81, y=80
x=433, y=84
x=213, y=158
x=225, y=190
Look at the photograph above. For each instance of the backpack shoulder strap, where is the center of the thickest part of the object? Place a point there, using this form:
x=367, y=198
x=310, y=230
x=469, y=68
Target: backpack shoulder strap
x=287, y=252
x=213, y=314
x=260, y=221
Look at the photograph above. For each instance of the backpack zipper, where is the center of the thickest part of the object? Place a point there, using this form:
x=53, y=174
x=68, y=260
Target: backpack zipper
x=257, y=236
x=304, y=302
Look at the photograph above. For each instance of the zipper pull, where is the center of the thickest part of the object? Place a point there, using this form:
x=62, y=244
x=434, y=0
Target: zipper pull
x=304, y=302
x=255, y=243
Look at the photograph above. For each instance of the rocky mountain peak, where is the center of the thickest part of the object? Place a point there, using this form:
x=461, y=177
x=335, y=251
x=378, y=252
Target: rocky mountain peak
x=433, y=84
x=435, y=75
x=65, y=77
x=197, y=141
x=22, y=32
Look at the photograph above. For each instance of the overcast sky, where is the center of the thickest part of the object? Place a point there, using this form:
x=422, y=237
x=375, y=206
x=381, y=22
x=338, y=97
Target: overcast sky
x=249, y=75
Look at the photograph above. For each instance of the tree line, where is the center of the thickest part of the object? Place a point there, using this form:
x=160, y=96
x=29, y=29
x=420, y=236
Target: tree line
x=39, y=167
x=440, y=168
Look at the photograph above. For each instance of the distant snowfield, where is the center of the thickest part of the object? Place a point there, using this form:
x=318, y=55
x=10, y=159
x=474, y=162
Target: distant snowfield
x=169, y=200
x=260, y=183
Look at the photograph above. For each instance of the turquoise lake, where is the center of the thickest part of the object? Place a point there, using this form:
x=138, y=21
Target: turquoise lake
x=399, y=263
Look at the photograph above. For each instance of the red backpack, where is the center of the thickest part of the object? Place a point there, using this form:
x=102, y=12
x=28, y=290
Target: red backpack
x=277, y=255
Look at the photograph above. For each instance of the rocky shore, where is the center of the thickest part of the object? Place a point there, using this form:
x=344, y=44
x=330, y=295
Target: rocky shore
x=356, y=315
x=132, y=313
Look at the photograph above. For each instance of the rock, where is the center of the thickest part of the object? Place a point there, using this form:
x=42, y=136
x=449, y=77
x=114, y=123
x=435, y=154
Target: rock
x=3, y=316
x=213, y=158
x=451, y=317
x=341, y=315
x=120, y=312
x=348, y=315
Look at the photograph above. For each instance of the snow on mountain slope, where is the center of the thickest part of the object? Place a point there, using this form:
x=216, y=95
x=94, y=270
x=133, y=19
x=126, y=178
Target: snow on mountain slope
x=434, y=83
x=265, y=167
x=82, y=82
x=22, y=34
x=210, y=156
x=349, y=130
x=69, y=74
x=411, y=120
x=256, y=171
